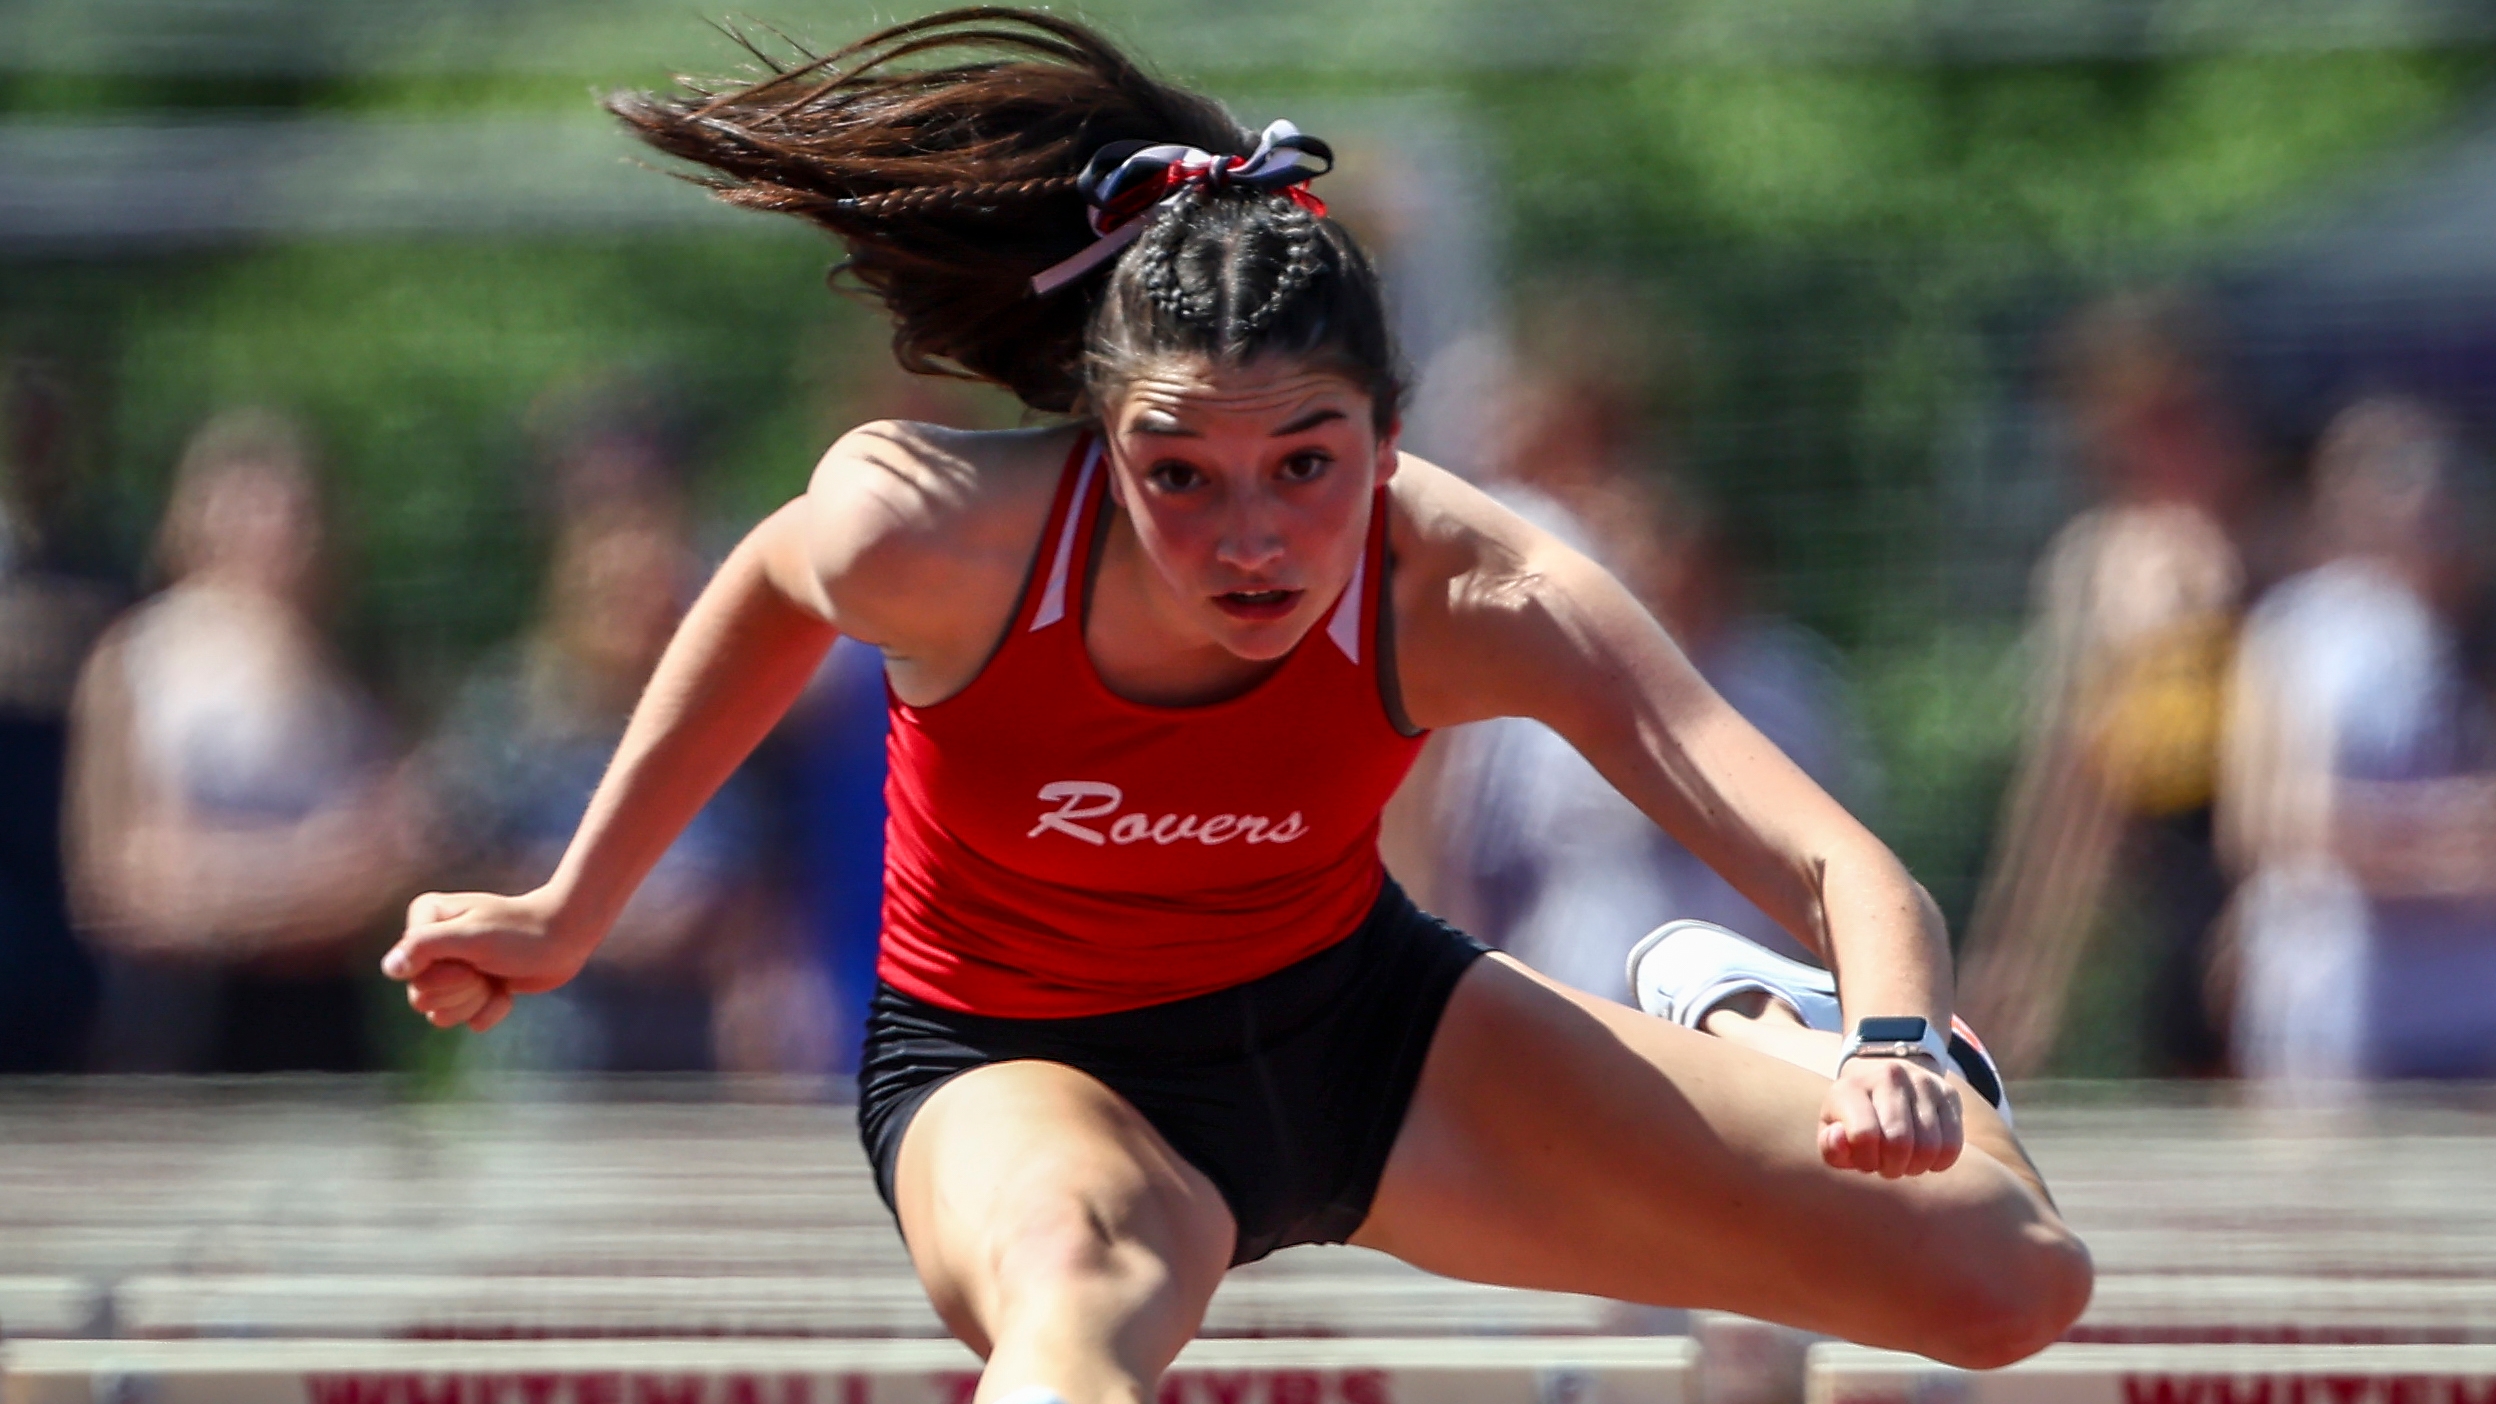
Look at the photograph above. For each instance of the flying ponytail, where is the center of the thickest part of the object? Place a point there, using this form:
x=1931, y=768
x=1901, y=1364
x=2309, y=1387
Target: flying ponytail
x=946, y=155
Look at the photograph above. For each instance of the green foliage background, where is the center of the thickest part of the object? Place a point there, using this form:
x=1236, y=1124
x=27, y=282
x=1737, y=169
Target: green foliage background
x=1837, y=234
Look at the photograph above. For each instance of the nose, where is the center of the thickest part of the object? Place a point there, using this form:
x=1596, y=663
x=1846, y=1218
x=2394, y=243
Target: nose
x=1252, y=536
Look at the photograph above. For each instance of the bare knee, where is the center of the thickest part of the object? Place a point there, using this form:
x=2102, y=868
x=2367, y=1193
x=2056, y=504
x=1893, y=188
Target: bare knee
x=1989, y=1309
x=1070, y=1256
x=1065, y=1248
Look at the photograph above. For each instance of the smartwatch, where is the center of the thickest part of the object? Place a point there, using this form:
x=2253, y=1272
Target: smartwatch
x=1905, y=1036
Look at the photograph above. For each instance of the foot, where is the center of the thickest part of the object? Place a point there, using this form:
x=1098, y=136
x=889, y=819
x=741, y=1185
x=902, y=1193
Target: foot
x=1683, y=970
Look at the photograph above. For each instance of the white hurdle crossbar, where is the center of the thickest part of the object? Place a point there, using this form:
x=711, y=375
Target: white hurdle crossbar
x=2166, y=1374
x=442, y=1307
x=48, y=1305
x=1569, y=1370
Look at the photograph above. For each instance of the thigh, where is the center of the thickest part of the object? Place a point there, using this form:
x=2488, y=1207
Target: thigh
x=1022, y=1184
x=1564, y=1142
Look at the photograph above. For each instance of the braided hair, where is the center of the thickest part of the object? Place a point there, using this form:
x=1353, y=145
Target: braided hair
x=1230, y=276
x=944, y=155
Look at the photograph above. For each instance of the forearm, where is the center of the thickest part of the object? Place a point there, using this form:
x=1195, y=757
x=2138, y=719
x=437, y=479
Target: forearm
x=1606, y=677
x=1884, y=938
x=740, y=658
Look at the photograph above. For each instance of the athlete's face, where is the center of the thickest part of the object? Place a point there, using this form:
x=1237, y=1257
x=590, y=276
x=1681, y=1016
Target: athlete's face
x=1249, y=487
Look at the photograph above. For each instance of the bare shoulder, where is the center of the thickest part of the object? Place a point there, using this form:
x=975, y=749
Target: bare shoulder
x=919, y=532
x=1459, y=550
x=1475, y=586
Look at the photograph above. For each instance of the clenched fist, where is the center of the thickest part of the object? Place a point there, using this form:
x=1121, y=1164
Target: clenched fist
x=1891, y=1117
x=465, y=954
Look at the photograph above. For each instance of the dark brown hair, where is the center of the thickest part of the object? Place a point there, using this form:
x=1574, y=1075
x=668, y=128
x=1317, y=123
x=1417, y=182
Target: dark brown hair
x=951, y=182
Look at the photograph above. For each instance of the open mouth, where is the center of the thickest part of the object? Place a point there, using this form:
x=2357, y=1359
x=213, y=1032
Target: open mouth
x=1257, y=604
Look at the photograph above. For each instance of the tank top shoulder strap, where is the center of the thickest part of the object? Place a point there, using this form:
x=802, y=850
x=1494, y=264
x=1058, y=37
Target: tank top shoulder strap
x=1352, y=624
x=1065, y=543
x=1362, y=625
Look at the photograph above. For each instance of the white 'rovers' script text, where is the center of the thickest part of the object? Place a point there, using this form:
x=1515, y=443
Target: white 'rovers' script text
x=1078, y=800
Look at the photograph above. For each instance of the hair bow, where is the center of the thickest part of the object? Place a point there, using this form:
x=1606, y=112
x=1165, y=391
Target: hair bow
x=1127, y=180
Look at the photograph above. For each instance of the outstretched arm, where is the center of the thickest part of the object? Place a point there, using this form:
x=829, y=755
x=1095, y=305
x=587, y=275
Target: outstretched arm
x=1505, y=621
x=1588, y=661
x=744, y=651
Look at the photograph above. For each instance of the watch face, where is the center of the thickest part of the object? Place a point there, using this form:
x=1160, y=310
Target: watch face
x=1908, y=1029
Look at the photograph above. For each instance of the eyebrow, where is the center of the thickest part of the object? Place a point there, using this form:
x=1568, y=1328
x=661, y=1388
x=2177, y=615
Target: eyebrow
x=1308, y=421
x=1162, y=426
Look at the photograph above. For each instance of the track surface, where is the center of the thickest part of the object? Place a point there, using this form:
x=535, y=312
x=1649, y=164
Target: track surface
x=330, y=1209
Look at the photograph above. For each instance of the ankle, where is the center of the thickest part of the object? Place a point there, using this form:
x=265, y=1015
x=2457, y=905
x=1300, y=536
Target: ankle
x=1745, y=1012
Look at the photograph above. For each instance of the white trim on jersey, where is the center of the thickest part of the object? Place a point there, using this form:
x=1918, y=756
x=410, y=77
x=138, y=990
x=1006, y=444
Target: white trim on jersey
x=1053, y=598
x=1345, y=627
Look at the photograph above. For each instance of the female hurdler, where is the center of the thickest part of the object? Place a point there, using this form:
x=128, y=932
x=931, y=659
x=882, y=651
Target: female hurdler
x=1149, y=1005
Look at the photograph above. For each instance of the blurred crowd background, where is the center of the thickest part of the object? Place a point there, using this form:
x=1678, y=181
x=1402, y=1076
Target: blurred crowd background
x=2061, y=427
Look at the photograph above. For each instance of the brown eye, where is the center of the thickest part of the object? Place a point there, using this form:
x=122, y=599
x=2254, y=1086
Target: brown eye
x=1174, y=475
x=1306, y=467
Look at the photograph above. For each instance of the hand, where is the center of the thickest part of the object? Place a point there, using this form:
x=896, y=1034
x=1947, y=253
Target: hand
x=465, y=954
x=453, y=992
x=1890, y=1117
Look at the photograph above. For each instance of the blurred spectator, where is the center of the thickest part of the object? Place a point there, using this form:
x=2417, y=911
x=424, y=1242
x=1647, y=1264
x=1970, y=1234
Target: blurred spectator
x=236, y=829
x=1538, y=854
x=48, y=618
x=2135, y=613
x=692, y=976
x=2360, y=794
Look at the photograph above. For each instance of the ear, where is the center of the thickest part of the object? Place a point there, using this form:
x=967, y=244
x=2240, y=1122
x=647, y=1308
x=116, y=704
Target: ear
x=1389, y=456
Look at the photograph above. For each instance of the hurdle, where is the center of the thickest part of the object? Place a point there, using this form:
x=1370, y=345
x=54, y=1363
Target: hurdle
x=1745, y=1361
x=2166, y=1374
x=679, y=1248
x=314, y=1179
x=1585, y=1370
x=854, y=1304
x=2158, y=1309
x=436, y=1306
x=50, y=1305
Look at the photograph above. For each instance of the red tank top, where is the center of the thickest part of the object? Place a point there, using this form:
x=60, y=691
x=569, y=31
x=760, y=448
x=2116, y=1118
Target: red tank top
x=1056, y=850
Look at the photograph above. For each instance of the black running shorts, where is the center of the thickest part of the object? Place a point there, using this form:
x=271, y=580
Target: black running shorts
x=1287, y=1091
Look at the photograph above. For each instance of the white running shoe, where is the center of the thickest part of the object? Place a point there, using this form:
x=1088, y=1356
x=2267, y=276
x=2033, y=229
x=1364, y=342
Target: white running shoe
x=1683, y=969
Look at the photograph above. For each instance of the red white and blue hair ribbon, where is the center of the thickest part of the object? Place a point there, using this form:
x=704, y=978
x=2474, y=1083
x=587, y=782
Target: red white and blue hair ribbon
x=1128, y=180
